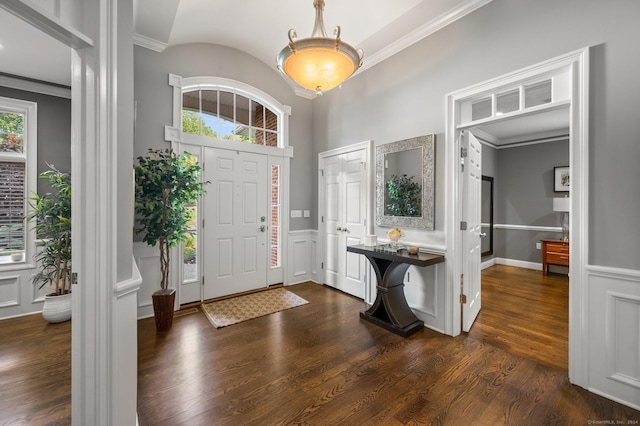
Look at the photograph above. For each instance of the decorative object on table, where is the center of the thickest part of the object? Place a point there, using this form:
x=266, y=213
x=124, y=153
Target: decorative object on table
x=413, y=249
x=561, y=179
x=52, y=215
x=562, y=205
x=370, y=240
x=394, y=235
x=166, y=183
x=242, y=308
x=400, y=200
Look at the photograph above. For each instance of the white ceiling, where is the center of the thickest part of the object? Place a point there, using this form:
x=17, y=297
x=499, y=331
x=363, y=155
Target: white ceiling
x=257, y=27
x=543, y=125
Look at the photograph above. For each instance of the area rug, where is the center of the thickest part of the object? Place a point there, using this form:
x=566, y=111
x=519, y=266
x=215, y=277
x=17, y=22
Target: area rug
x=242, y=308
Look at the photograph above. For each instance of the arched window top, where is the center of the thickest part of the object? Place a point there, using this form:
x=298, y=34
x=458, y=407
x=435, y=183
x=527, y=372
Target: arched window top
x=229, y=110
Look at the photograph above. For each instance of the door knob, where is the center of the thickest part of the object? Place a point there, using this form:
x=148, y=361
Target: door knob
x=262, y=228
x=482, y=234
x=338, y=229
x=345, y=230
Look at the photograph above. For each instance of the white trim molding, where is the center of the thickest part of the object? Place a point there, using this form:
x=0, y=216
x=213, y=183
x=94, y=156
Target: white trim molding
x=302, y=247
x=576, y=65
x=527, y=227
x=423, y=31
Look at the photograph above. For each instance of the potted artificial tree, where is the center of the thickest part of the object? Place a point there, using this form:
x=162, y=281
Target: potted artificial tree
x=52, y=215
x=166, y=183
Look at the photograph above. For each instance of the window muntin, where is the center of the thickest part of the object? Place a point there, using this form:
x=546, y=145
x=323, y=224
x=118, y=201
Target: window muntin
x=225, y=114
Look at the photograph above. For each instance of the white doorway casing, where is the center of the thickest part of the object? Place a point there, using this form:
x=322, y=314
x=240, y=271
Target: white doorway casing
x=577, y=64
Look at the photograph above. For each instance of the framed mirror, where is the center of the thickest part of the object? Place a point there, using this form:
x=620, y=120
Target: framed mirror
x=486, y=227
x=405, y=183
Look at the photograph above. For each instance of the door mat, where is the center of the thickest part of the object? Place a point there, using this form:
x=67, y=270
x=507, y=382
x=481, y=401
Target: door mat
x=243, y=308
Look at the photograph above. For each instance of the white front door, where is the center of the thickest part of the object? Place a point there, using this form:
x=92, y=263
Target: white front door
x=471, y=247
x=344, y=218
x=236, y=222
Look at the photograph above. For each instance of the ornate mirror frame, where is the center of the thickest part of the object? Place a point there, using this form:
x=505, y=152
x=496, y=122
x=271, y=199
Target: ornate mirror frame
x=426, y=221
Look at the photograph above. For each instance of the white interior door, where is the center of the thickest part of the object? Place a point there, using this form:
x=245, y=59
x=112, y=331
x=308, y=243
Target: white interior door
x=236, y=222
x=344, y=215
x=471, y=188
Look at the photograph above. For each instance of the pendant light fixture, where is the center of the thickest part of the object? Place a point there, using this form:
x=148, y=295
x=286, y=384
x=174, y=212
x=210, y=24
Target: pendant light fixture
x=319, y=63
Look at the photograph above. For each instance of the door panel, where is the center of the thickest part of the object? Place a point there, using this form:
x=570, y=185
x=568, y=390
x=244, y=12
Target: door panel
x=235, y=246
x=471, y=213
x=345, y=217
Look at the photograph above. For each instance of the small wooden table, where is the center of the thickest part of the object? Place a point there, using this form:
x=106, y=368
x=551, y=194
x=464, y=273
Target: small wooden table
x=554, y=252
x=390, y=309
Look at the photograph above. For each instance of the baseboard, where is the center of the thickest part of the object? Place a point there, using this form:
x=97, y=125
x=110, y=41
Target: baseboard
x=488, y=263
x=519, y=263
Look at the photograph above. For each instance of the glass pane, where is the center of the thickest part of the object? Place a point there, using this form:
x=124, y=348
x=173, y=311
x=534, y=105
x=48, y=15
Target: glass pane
x=11, y=132
x=227, y=115
x=275, y=216
x=257, y=110
x=190, y=267
x=481, y=109
x=12, y=188
x=271, y=120
x=258, y=136
x=242, y=110
x=271, y=138
x=537, y=94
x=508, y=102
x=239, y=134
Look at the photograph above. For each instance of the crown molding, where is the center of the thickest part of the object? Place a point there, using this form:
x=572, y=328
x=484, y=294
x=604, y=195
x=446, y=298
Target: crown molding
x=149, y=43
x=423, y=32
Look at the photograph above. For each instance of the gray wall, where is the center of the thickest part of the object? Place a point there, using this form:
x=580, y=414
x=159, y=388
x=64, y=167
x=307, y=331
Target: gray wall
x=404, y=96
x=489, y=168
x=154, y=99
x=525, y=197
x=54, y=130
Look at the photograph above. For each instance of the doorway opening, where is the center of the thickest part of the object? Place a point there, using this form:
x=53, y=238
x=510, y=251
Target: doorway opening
x=494, y=101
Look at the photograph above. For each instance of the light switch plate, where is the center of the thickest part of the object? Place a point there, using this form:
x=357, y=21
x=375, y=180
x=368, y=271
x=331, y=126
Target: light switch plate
x=296, y=213
x=306, y=213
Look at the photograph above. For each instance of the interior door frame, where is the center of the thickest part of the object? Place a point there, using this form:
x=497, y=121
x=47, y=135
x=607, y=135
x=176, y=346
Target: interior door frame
x=577, y=63
x=368, y=147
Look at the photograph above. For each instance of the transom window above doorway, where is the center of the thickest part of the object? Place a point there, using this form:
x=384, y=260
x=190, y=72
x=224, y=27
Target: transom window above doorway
x=228, y=114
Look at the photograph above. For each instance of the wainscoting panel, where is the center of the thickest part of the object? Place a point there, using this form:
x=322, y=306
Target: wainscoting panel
x=614, y=329
x=10, y=291
x=300, y=250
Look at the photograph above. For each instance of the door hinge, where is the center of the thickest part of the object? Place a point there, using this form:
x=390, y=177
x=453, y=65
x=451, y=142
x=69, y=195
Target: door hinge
x=203, y=280
x=464, y=152
x=463, y=225
x=463, y=299
x=322, y=265
x=322, y=219
x=74, y=278
x=322, y=172
x=203, y=223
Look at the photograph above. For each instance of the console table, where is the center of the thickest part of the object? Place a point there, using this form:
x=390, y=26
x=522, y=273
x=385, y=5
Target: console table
x=390, y=309
x=554, y=252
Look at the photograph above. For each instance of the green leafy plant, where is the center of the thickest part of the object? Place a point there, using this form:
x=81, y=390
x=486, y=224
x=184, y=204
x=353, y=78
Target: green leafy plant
x=166, y=185
x=52, y=215
x=404, y=196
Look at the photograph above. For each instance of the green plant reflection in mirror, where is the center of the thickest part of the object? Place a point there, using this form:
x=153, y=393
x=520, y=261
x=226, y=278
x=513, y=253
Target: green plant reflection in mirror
x=404, y=196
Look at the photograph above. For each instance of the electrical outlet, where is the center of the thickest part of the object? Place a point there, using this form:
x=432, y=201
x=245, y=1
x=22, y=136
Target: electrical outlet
x=538, y=246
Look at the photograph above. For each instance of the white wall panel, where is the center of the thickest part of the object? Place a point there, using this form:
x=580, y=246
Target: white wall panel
x=10, y=291
x=614, y=318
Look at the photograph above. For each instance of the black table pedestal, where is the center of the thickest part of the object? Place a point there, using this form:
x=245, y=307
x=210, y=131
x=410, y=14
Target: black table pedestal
x=390, y=309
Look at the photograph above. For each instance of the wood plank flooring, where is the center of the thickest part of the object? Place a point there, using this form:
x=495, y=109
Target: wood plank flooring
x=319, y=364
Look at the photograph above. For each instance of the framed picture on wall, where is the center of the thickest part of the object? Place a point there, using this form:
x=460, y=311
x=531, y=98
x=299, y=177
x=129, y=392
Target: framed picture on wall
x=561, y=181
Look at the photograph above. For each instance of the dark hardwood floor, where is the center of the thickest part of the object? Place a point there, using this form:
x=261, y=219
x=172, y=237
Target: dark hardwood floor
x=319, y=364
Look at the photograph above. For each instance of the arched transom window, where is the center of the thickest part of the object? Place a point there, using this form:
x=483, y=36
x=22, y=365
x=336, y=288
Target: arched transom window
x=225, y=110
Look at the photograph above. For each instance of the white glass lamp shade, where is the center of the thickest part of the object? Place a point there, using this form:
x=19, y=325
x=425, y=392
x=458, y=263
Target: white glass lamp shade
x=561, y=204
